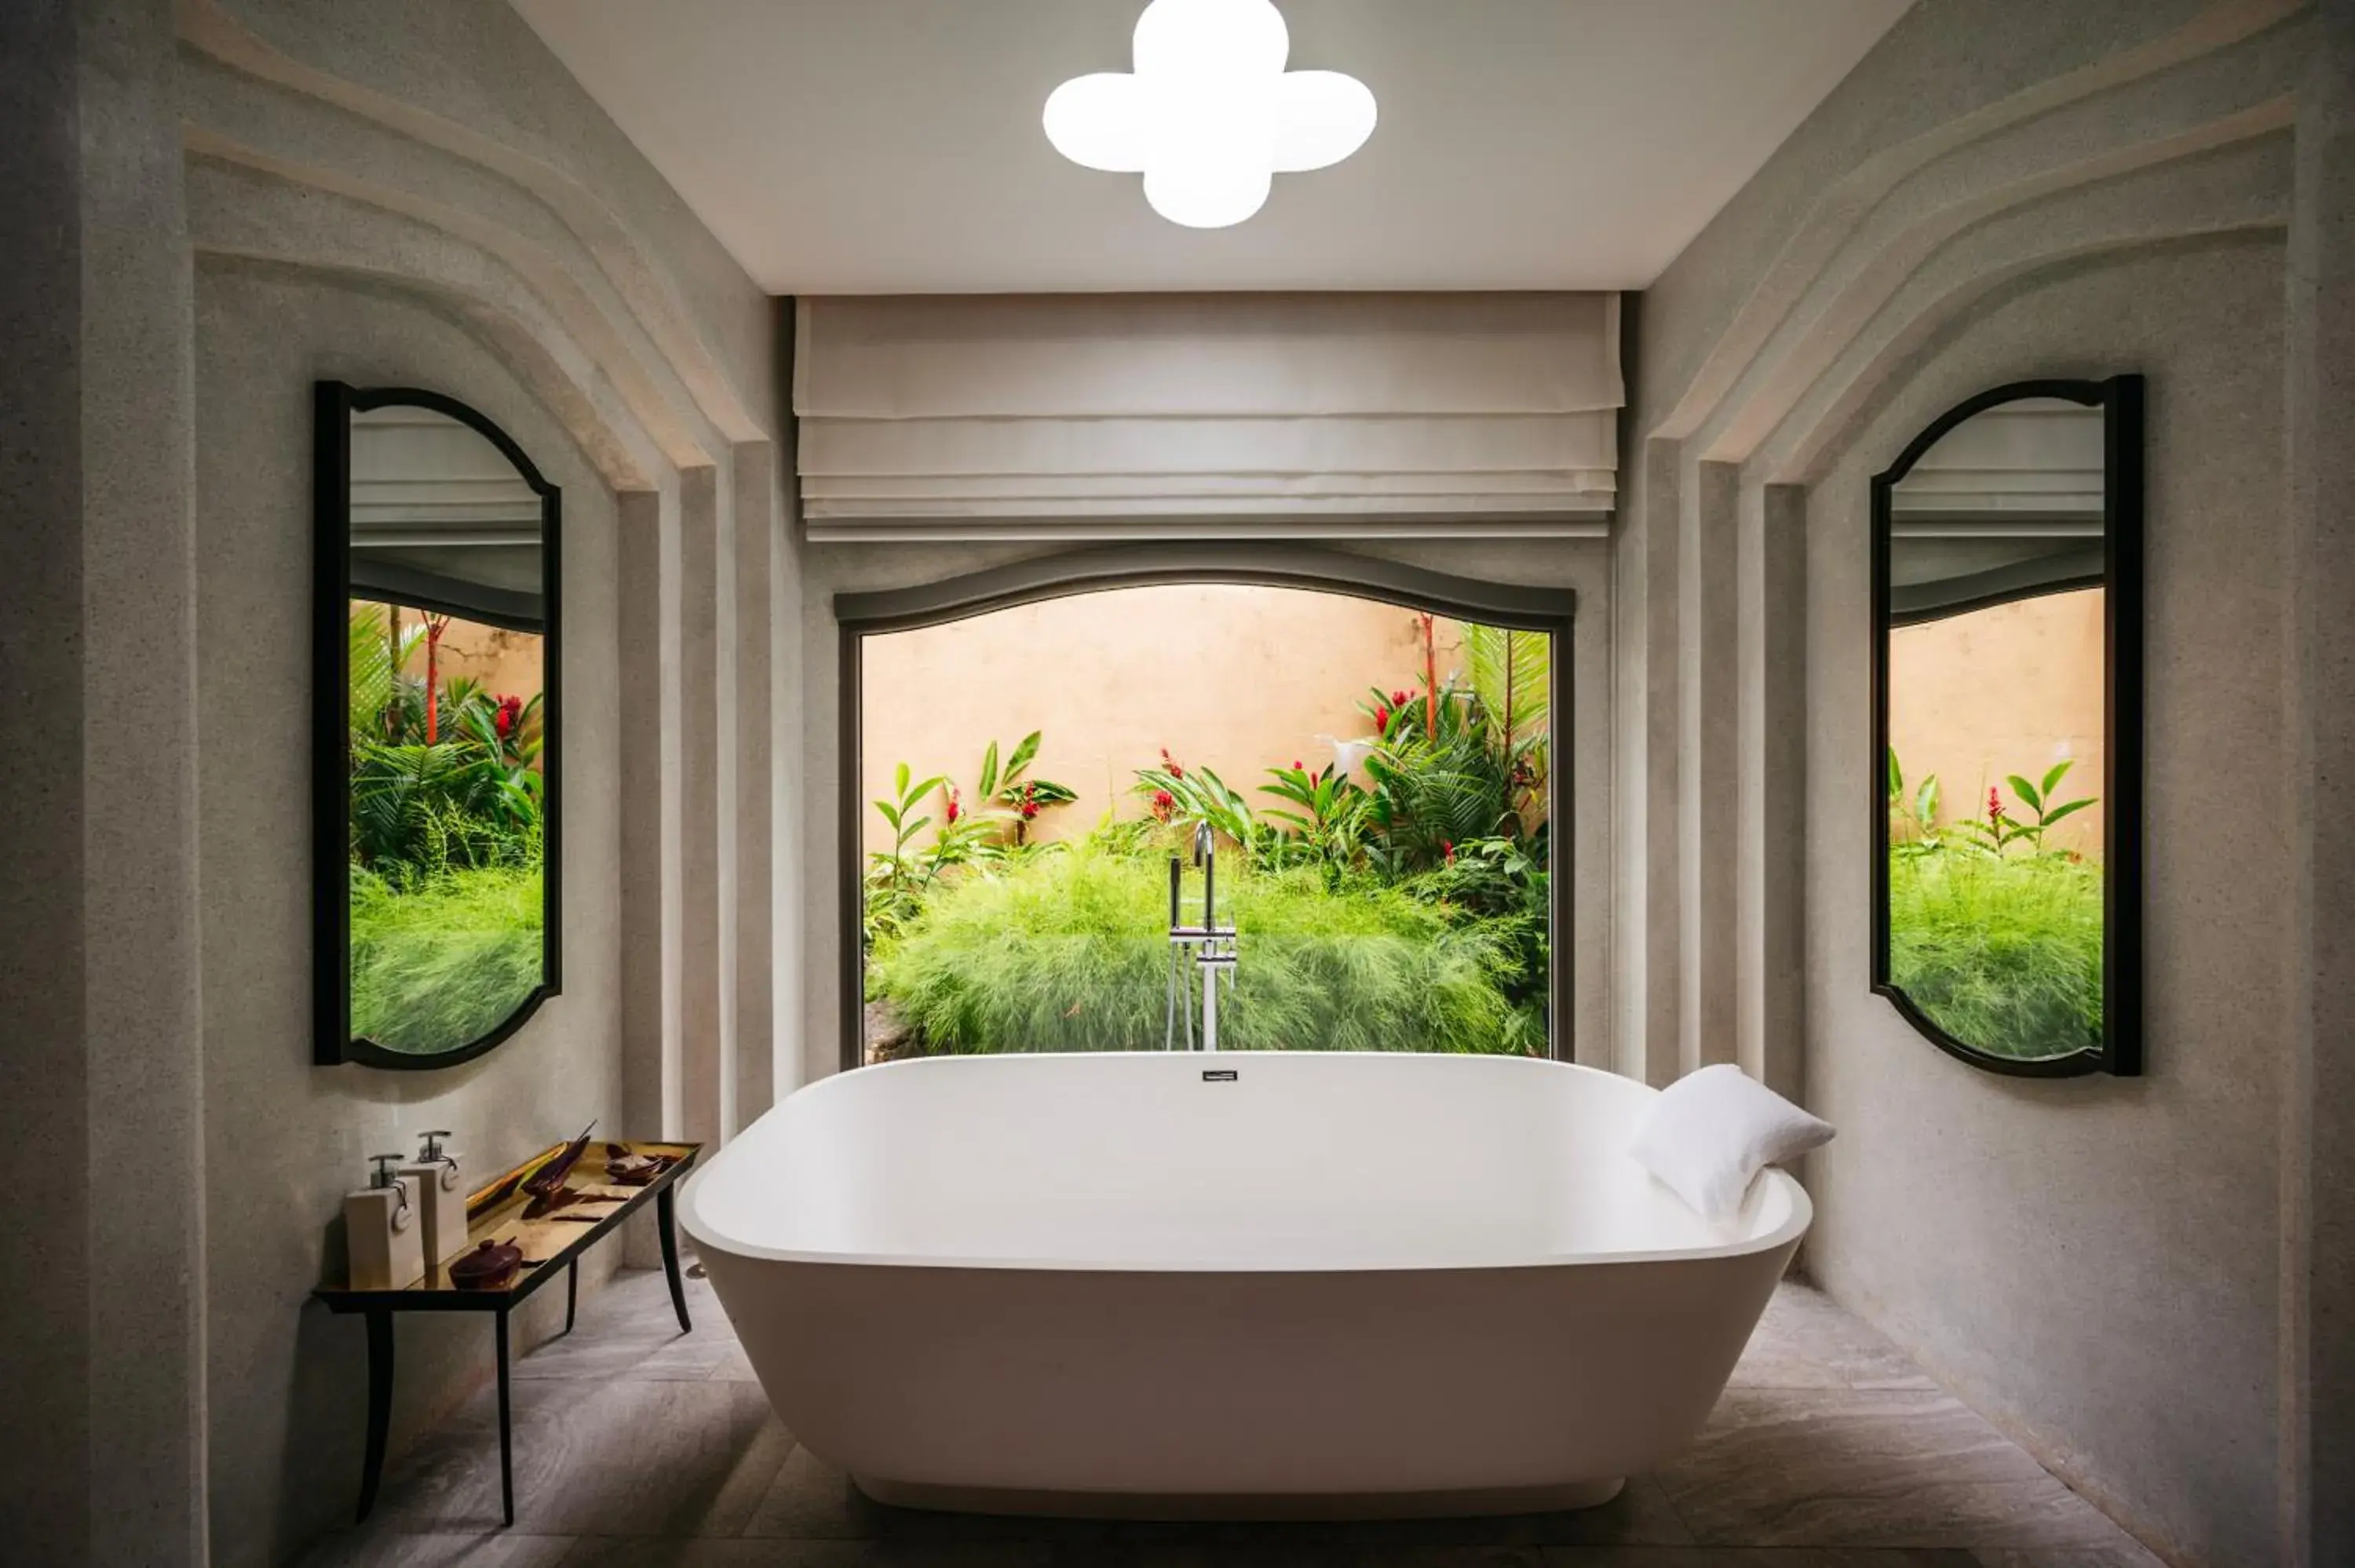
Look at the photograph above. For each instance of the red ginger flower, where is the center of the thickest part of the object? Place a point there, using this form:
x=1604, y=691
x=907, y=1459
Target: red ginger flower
x=1995, y=807
x=1163, y=803
x=956, y=809
x=1383, y=718
x=508, y=717
x=1169, y=765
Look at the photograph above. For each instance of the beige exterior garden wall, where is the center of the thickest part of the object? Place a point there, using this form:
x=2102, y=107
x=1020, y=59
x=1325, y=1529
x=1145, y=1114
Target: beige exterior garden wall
x=1239, y=678
x=2013, y=688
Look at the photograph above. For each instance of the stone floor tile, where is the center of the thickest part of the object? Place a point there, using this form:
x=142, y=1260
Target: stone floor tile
x=1809, y=1468
x=622, y=1457
x=780, y=1553
x=380, y=1548
x=1804, y=1340
x=2126, y=1552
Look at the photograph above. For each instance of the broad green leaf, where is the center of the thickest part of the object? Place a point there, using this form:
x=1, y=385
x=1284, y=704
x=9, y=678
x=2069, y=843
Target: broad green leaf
x=1926, y=802
x=989, y=771
x=899, y=780
x=2054, y=774
x=1024, y=750
x=2025, y=790
x=2065, y=809
x=1896, y=776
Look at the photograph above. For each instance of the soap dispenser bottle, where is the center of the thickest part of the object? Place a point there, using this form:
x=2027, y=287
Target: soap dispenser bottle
x=382, y=1230
x=442, y=1195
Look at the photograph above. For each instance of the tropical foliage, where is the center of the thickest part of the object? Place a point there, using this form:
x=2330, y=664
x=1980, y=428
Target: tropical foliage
x=446, y=840
x=1405, y=909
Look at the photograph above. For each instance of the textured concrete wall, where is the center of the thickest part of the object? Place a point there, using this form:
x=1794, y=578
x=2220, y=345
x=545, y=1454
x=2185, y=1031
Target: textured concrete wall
x=2318, y=1124
x=420, y=195
x=2058, y=1250
x=2125, y=1274
x=284, y=1138
x=98, y=927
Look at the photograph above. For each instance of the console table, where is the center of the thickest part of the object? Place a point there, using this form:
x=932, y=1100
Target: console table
x=550, y=1244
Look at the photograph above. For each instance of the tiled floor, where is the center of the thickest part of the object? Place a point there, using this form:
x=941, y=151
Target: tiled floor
x=1830, y=1450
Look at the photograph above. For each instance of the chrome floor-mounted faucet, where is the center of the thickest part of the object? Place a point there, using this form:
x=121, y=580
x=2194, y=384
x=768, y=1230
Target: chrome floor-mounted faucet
x=1209, y=947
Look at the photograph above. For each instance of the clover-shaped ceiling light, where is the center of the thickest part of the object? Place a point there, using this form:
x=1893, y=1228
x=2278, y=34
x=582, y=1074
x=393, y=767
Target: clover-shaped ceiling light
x=1210, y=115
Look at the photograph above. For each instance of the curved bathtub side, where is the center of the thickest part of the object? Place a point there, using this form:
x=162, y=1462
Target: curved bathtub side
x=1251, y=1385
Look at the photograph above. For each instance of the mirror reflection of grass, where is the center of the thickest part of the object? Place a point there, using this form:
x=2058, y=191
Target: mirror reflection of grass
x=439, y=961
x=1994, y=937
x=446, y=843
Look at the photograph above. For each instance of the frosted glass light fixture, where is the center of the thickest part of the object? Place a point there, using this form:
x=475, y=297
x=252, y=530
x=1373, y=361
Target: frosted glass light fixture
x=1210, y=116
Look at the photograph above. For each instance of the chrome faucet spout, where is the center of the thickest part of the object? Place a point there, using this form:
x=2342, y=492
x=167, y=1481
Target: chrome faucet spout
x=1205, y=844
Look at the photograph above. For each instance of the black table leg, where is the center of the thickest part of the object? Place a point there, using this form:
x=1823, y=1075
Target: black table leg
x=665, y=1221
x=507, y=1429
x=379, y=1413
x=572, y=1292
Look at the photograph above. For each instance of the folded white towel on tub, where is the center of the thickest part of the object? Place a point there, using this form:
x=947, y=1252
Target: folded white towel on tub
x=1711, y=1132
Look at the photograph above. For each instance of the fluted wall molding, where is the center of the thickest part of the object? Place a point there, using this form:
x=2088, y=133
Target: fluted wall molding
x=208, y=27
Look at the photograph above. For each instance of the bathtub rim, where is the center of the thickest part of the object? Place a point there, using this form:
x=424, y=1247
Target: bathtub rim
x=1794, y=1226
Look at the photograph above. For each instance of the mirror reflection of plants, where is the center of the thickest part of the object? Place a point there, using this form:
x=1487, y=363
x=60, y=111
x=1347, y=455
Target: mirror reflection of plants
x=1995, y=934
x=446, y=915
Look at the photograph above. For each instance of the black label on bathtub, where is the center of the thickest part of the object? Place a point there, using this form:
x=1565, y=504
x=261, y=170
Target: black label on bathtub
x=1218, y=1075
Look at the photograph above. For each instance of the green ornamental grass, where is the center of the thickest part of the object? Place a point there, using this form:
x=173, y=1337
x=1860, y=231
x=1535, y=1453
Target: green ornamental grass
x=2004, y=953
x=1068, y=951
x=441, y=960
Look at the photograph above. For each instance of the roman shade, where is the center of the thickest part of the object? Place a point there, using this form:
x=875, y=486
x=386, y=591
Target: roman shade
x=1275, y=416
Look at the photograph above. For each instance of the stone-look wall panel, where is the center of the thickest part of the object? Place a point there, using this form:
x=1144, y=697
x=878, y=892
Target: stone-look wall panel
x=285, y=1139
x=1707, y=715
x=98, y=942
x=1770, y=948
x=2318, y=1166
x=44, y=1349
x=1988, y=153
x=474, y=79
x=2091, y=1261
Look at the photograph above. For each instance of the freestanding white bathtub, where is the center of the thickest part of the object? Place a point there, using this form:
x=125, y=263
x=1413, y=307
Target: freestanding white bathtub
x=1241, y=1285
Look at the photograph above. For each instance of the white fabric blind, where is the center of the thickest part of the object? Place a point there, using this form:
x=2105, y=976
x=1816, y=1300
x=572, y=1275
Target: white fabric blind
x=1027, y=416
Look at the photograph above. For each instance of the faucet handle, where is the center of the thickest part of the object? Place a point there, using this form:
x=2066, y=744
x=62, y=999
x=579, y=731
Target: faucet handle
x=385, y=1178
x=431, y=1151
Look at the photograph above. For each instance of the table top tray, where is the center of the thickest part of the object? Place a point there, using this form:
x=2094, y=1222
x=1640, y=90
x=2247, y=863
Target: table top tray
x=495, y=1212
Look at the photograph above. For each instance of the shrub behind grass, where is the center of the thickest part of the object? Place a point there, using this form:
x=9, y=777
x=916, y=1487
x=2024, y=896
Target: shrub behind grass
x=442, y=963
x=2003, y=954
x=1070, y=952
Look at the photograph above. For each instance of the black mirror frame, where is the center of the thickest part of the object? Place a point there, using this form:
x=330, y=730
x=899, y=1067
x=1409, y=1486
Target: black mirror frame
x=2120, y=399
x=332, y=404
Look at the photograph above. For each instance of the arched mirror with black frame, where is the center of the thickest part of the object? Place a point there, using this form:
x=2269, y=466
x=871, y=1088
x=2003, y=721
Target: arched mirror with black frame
x=2006, y=729
x=435, y=743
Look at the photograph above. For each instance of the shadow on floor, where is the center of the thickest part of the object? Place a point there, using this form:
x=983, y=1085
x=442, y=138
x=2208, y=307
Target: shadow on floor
x=637, y=1446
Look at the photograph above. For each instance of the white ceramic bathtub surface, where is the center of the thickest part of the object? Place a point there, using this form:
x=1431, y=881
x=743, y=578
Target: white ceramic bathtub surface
x=1356, y=1284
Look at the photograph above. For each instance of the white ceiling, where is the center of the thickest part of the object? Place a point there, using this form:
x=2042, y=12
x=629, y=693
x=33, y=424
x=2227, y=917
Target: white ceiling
x=893, y=146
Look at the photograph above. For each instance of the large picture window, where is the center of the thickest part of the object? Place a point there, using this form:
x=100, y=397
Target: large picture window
x=1167, y=814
